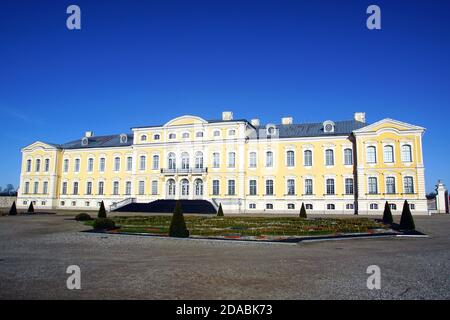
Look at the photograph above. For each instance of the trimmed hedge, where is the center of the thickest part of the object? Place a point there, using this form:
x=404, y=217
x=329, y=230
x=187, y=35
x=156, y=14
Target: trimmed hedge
x=178, y=225
x=31, y=208
x=406, y=220
x=220, y=211
x=83, y=217
x=103, y=224
x=387, y=214
x=303, y=211
x=13, y=210
x=102, y=211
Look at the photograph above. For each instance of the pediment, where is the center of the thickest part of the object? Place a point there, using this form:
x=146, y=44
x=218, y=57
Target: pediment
x=389, y=125
x=39, y=145
x=185, y=120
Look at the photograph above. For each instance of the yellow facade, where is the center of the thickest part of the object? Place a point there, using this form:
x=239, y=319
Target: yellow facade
x=243, y=165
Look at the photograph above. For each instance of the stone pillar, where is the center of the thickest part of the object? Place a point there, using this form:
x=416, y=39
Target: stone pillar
x=441, y=198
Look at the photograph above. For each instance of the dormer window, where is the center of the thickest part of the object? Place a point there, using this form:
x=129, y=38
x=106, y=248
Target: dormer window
x=123, y=138
x=328, y=126
x=270, y=129
x=156, y=137
x=172, y=136
x=84, y=141
x=144, y=137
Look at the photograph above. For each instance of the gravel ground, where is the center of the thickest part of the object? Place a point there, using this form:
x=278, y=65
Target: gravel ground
x=36, y=250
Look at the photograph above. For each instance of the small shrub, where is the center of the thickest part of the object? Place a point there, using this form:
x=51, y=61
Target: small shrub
x=83, y=217
x=103, y=224
x=102, y=211
x=406, y=221
x=387, y=214
x=13, y=210
x=220, y=211
x=303, y=211
x=31, y=208
x=178, y=225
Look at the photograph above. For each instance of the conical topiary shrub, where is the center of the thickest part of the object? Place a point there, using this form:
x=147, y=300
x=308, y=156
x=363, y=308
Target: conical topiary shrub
x=102, y=211
x=31, y=208
x=13, y=210
x=387, y=214
x=303, y=211
x=178, y=225
x=406, y=221
x=220, y=211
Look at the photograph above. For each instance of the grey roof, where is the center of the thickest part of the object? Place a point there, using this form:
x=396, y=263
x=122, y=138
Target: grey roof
x=98, y=142
x=312, y=129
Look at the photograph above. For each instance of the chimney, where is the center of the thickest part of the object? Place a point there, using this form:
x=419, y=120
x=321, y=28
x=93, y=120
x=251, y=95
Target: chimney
x=255, y=122
x=286, y=120
x=360, y=116
x=227, y=115
x=89, y=134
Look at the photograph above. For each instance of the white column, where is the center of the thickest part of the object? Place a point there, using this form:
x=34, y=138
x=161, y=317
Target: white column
x=441, y=203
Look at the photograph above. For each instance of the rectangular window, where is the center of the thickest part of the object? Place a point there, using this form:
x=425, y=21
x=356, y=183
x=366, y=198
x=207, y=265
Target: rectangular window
x=330, y=186
x=38, y=165
x=47, y=165
x=154, y=187
x=216, y=190
x=290, y=158
x=231, y=187
x=28, y=165
x=102, y=165
x=308, y=158
x=348, y=157
x=77, y=165
x=89, y=187
x=128, y=188
x=231, y=160
x=129, y=163
x=155, y=163
x=290, y=185
x=116, y=164
x=388, y=154
x=308, y=187
x=252, y=187
x=252, y=160
x=408, y=185
x=90, y=165
x=75, y=188
x=390, y=185
x=371, y=154
x=406, y=153
x=101, y=188
x=36, y=187
x=141, y=187
x=373, y=185
x=329, y=157
x=269, y=187
x=116, y=188
x=64, y=188
x=45, y=188
x=269, y=159
x=142, y=163
x=348, y=186
x=216, y=160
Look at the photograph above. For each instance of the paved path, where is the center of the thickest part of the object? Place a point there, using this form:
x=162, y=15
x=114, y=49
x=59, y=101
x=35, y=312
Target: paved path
x=36, y=250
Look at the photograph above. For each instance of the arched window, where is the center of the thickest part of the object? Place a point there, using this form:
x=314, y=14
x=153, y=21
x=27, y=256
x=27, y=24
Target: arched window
x=90, y=164
x=198, y=184
x=371, y=154
x=308, y=187
x=390, y=185
x=330, y=186
x=185, y=161
x=269, y=159
x=252, y=160
x=290, y=158
x=171, y=187
x=144, y=137
x=29, y=165
x=406, y=153
x=373, y=185
x=331, y=206
x=38, y=165
x=155, y=162
x=388, y=154
x=171, y=161
x=184, y=187
x=329, y=157
x=408, y=185
x=307, y=158
x=198, y=160
x=116, y=164
x=172, y=136
x=156, y=137
x=309, y=206
x=348, y=157
x=185, y=135
x=199, y=134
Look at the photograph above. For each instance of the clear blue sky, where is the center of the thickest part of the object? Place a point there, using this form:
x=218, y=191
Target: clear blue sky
x=144, y=62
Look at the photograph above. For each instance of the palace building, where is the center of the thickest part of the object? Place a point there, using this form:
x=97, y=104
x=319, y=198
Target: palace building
x=331, y=166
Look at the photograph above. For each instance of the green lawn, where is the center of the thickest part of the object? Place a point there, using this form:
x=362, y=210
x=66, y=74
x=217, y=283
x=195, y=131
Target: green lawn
x=247, y=226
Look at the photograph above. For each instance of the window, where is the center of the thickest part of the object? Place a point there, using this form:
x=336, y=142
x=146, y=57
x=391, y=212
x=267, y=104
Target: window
x=291, y=206
x=309, y=206
x=252, y=206
x=172, y=136
x=102, y=165
x=198, y=160
x=252, y=160
x=184, y=187
x=329, y=157
x=38, y=165
x=371, y=154
x=412, y=206
x=185, y=161
x=74, y=203
x=156, y=137
x=198, y=187
x=308, y=187
x=47, y=165
x=64, y=188
x=66, y=165
x=101, y=187
x=171, y=187
x=141, y=187
x=215, y=189
x=28, y=165
x=87, y=203
x=393, y=206
x=269, y=206
x=349, y=206
x=348, y=157
x=388, y=154
x=349, y=186
x=128, y=188
x=144, y=137
x=77, y=165
x=231, y=160
x=390, y=185
x=373, y=185
x=216, y=133
x=252, y=187
x=290, y=158
x=90, y=165
x=330, y=186
x=75, y=188
x=142, y=162
x=171, y=161
x=116, y=164
x=129, y=163
x=291, y=187
x=155, y=162
x=45, y=187
x=373, y=206
x=232, y=132
x=27, y=187
x=269, y=159
x=331, y=206
x=154, y=187
x=307, y=158
x=199, y=134
x=185, y=135
x=116, y=188
x=62, y=203
x=408, y=185
x=231, y=187
x=269, y=187
x=406, y=153
x=89, y=187
x=216, y=160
